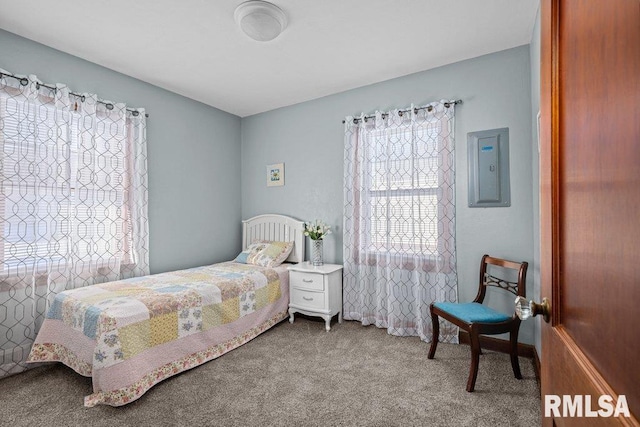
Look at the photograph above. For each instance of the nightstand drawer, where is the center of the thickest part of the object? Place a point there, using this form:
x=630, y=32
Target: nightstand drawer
x=307, y=299
x=304, y=280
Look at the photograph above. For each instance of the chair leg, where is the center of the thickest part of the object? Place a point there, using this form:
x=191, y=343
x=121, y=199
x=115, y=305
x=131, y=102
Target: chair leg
x=515, y=364
x=435, y=336
x=475, y=359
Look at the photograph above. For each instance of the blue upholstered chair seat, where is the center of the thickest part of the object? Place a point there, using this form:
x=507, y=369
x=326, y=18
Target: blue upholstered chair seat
x=472, y=312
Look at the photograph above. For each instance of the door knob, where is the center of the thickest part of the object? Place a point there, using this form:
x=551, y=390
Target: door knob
x=526, y=309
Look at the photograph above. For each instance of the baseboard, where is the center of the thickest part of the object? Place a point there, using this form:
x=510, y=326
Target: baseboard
x=536, y=365
x=502, y=346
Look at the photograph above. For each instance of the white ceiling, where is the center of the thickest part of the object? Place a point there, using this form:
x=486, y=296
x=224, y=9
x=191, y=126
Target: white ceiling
x=193, y=47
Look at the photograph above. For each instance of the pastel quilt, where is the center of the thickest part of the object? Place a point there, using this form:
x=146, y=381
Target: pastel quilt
x=158, y=325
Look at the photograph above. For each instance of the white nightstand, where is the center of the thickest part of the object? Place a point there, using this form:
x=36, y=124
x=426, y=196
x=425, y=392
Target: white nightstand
x=316, y=291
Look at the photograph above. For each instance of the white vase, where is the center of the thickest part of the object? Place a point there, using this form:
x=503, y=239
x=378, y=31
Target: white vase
x=316, y=252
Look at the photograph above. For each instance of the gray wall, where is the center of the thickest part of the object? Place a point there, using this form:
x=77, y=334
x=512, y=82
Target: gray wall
x=308, y=138
x=194, y=155
x=534, y=52
x=196, y=189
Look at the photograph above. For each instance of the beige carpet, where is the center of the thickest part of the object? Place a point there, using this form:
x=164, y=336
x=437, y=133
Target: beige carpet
x=298, y=375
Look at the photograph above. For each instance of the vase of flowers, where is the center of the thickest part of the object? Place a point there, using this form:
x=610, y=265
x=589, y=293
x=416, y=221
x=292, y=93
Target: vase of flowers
x=316, y=231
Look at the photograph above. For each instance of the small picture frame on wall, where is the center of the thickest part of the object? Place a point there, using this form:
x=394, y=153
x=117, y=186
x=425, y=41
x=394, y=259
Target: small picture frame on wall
x=275, y=175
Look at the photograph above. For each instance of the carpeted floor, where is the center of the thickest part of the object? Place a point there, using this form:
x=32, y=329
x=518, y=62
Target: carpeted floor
x=295, y=375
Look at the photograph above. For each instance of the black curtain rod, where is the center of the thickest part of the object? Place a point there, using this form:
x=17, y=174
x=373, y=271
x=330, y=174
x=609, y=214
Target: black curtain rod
x=24, y=81
x=415, y=111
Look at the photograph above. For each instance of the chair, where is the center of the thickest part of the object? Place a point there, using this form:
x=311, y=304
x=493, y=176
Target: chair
x=478, y=319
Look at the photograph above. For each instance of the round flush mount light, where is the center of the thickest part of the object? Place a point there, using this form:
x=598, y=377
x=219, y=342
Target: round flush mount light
x=260, y=20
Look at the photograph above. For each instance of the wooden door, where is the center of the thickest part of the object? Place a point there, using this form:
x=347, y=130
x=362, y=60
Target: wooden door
x=590, y=202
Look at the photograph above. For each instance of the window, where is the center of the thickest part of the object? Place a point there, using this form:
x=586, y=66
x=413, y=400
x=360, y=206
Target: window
x=399, y=217
x=63, y=187
x=403, y=189
x=73, y=202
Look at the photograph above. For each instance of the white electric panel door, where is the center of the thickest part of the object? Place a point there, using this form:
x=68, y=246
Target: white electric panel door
x=488, y=154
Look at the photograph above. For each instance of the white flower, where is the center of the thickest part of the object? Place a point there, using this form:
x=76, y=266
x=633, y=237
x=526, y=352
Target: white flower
x=316, y=230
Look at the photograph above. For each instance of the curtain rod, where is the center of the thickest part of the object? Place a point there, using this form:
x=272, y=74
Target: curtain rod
x=24, y=81
x=415, y=111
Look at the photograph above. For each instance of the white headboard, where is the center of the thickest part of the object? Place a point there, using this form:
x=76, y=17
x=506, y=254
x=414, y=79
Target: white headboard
x=274, y=227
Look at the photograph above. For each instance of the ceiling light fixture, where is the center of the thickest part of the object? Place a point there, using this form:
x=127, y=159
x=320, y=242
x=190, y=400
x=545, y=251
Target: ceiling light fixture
x=260, y=20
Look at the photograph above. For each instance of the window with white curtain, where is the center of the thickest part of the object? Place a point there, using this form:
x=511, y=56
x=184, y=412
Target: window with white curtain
x=73, y=201
x=399, y=218
x=94, y=225
x=403, y=187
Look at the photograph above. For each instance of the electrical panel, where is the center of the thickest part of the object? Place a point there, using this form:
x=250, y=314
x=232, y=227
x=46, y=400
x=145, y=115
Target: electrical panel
x=488, y=152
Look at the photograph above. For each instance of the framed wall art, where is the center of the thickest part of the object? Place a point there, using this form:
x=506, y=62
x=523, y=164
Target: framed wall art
x=275, y=175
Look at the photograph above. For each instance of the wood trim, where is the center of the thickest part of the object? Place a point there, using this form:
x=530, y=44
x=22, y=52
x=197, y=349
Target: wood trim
x=548, y=173
x=555, y=169
x=536, y=368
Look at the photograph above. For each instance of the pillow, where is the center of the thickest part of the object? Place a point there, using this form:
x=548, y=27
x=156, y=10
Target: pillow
x=265, y=253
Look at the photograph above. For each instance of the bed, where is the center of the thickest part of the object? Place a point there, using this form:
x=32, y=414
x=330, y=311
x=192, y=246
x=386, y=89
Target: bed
x=131, y=334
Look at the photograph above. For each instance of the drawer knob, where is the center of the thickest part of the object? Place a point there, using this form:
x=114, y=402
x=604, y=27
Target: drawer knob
x=307, y=299
x=307, y=280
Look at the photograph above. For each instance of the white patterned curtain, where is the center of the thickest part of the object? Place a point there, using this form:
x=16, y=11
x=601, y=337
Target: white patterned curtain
x=73, y=201
x=399, y=219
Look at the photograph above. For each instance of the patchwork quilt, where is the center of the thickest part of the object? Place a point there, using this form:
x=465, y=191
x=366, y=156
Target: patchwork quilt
x=131, y=334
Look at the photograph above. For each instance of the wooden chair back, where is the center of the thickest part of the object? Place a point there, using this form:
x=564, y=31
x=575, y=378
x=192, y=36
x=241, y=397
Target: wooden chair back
x=517, y=288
